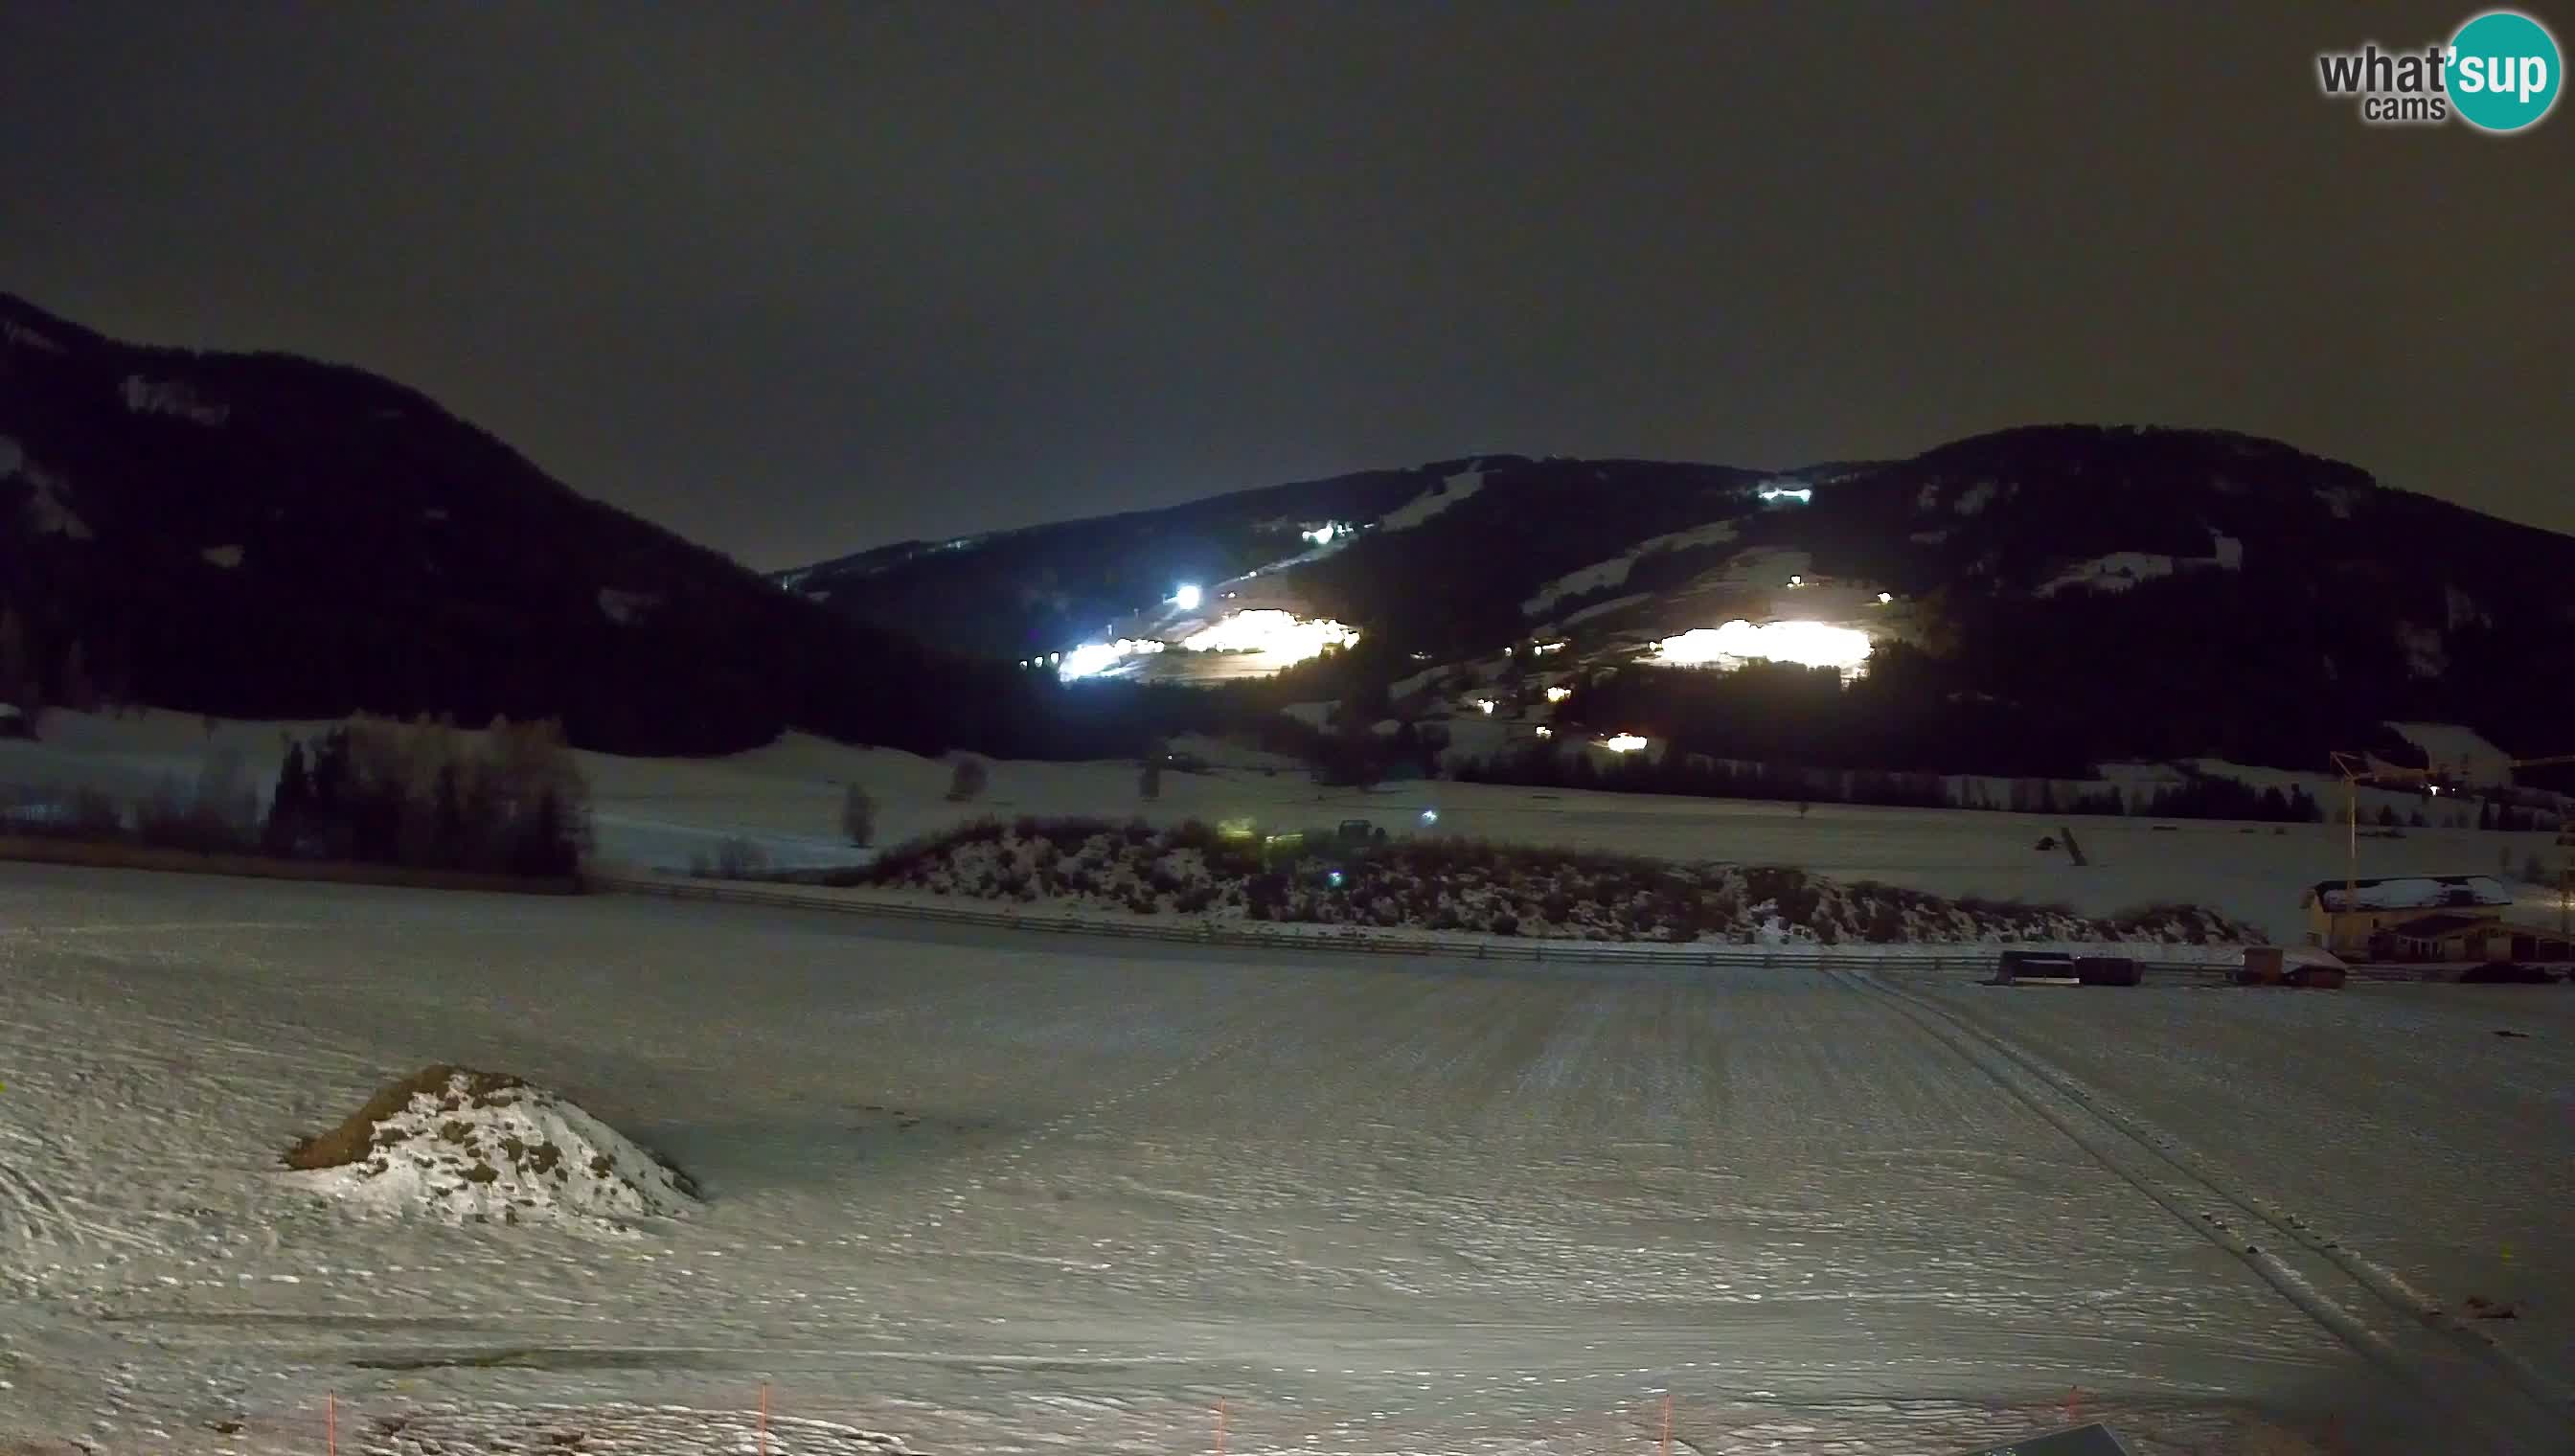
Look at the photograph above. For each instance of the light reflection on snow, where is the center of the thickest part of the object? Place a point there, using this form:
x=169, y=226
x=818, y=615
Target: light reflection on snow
x=1809, y=643
x=1098, y=656
x=1282, y=636
x=1269, y=639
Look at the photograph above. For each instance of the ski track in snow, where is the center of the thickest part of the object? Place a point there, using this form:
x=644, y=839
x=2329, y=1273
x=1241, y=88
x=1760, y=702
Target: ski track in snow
x=1018, y=1195
x=2484, y=1387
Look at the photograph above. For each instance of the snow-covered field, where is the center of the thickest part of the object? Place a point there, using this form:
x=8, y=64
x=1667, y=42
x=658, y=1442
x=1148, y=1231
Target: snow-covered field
x=661, y=812
x=1019, y=1195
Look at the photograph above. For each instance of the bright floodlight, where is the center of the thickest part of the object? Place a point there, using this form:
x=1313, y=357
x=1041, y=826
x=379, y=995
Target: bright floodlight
x=1812, y=644
x=1430, y=816
x=1558, y=694
x=1623, y=744
x=1885, y=597
x=1186, y=597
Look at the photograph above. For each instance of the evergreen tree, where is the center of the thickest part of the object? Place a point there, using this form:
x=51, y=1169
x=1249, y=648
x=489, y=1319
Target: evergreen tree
x=290, y=809
x=79, y=692
x=447, y=823
x=539, y=837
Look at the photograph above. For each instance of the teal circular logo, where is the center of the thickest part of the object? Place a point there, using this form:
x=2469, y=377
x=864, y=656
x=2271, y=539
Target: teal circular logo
x=2504, y=71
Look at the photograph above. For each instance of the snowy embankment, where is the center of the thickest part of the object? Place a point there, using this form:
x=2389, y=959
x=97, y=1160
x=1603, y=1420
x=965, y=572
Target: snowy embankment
x=1462, y=886
x=785, y=799
x=462, y=1147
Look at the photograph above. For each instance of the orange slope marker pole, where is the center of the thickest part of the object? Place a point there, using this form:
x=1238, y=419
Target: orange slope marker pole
x=331, y=1422
x=1220, y=1426
x=764, y=1418
x=1667, y=1444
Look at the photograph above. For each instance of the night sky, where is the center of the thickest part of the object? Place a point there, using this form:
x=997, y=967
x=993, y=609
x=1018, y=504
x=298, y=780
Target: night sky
x=800, y=281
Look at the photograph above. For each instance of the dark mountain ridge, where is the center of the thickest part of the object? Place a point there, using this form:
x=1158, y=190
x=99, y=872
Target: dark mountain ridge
x=265, y=536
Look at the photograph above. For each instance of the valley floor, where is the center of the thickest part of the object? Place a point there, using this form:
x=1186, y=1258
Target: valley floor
x=1018, y=1195
x=786, y=799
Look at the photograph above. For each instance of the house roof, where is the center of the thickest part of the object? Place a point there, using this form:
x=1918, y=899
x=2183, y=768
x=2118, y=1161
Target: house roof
x=2410, y=892
x=2425, y=927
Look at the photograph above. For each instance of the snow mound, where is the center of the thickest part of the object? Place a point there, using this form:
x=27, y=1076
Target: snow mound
x=465, y=1146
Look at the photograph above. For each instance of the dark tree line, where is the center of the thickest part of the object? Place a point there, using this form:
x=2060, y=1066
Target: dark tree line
x=505, y=801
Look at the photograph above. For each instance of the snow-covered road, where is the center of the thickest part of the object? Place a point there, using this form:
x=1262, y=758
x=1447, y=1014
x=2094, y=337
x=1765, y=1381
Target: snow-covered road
x=1010, y=1194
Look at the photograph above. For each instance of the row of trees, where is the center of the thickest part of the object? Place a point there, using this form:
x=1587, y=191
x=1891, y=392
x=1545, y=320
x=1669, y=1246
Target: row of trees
x=509, y=799
x=50, y=670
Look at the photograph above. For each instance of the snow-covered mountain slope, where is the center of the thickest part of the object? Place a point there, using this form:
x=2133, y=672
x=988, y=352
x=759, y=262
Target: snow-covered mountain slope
x=256, y=535
x=2111, y=572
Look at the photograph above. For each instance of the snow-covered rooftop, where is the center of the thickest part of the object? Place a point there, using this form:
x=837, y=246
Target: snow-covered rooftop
x=2412, y=891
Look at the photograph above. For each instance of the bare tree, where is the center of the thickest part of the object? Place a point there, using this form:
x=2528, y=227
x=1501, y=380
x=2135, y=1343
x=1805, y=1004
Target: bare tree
x=966, y=780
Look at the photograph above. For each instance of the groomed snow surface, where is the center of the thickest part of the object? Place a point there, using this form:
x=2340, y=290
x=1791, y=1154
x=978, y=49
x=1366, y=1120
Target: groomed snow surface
x=1020, y=1194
